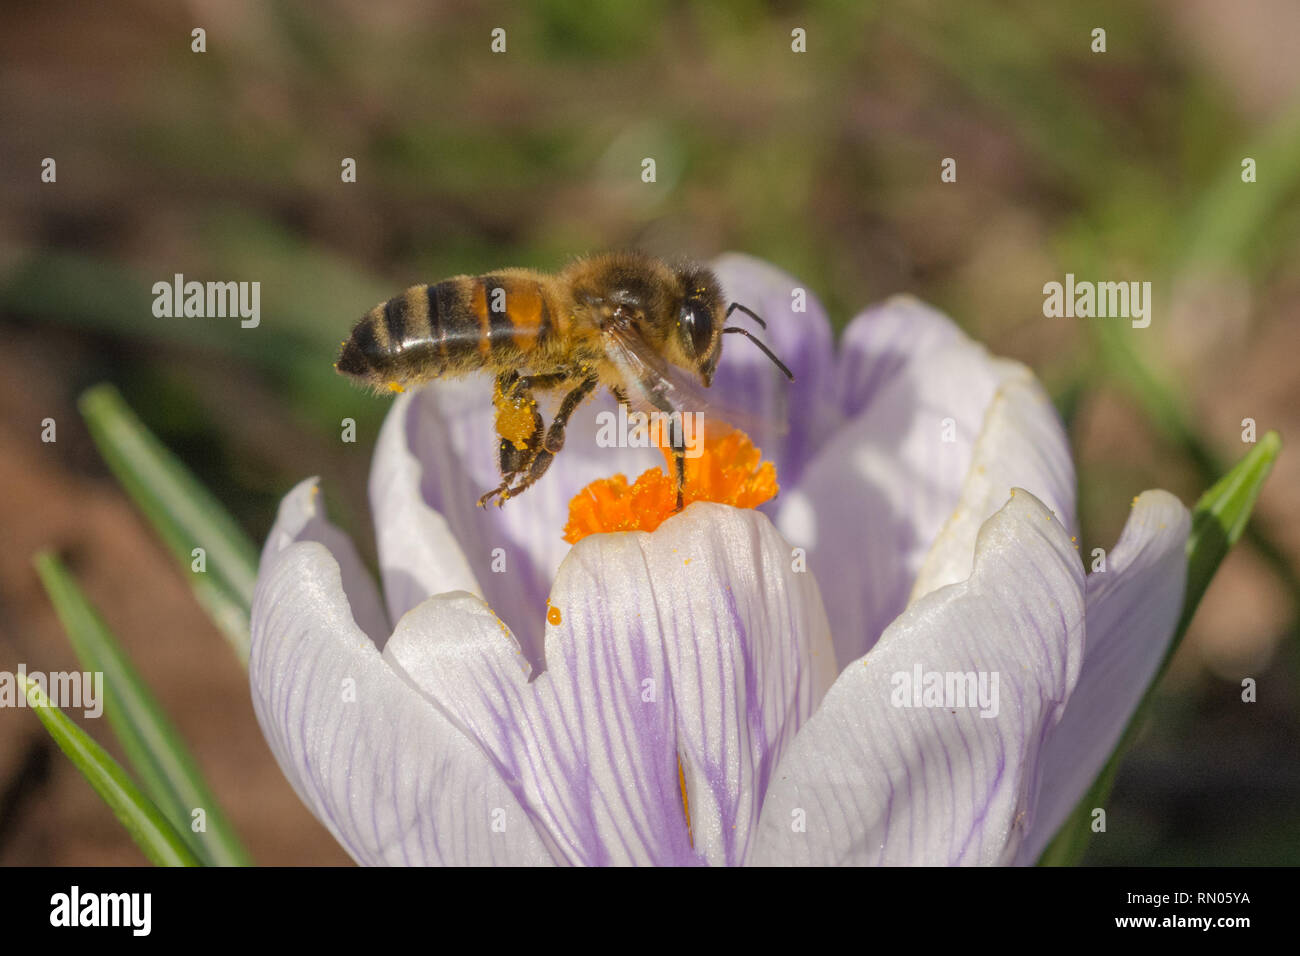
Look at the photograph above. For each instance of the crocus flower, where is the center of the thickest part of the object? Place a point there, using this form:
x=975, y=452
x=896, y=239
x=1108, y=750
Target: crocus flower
x=739, y=685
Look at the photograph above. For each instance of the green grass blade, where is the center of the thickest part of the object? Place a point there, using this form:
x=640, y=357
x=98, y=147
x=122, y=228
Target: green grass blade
x=159, y=840
x=1230, y=221
x=183, y=512
x=167, y=771
x=1218, y=520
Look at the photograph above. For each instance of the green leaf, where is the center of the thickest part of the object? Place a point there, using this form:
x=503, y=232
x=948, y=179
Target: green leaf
x=1220, y=517
x=1218, y=520
x=181, y=510
x=159, y=840
x=166, y=769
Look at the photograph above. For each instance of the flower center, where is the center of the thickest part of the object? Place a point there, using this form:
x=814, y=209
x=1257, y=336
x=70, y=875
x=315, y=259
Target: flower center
x=729, y=470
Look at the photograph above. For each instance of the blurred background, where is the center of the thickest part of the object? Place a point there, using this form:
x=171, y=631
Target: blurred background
x=226, y=165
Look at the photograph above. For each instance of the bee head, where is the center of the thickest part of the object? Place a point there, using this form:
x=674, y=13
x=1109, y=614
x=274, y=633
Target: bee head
x=699, y=320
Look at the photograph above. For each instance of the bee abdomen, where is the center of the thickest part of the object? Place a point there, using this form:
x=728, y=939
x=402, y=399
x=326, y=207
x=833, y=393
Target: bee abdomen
x=457, y=325
x=419, y=335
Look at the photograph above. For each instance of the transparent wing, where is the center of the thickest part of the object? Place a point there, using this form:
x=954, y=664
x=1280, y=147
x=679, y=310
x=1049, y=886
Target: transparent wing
x=655, y=384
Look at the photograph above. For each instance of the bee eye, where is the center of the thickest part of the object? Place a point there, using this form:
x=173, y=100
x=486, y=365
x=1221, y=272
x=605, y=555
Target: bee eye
x=697, y=327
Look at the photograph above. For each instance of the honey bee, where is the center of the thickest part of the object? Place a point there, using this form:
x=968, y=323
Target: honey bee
x=649, y=331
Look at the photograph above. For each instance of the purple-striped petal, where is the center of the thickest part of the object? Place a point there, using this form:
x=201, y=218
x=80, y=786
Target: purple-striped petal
x=1133, y=607
x=440, y=445
x=794, y=418
x=392, y=779
x=889, y=341
x=698, y=643
x=870, y=781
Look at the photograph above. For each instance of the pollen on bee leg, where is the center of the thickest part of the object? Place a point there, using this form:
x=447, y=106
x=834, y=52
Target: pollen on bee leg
x=515, y=417
x=729, y=470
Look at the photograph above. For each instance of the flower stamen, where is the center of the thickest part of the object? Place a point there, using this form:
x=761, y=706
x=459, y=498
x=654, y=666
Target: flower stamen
x=686, y=804
x=728, y=470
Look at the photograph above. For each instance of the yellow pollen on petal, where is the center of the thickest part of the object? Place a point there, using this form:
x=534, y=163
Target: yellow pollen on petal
x=729, y=470
x=394, y=387
x=553, y=614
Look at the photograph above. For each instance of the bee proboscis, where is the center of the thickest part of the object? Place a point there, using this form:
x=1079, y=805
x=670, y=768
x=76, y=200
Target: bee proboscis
x=649, y=331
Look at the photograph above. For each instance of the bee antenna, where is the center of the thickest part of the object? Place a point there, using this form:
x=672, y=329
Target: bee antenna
x=736, y=305
x=766, y=351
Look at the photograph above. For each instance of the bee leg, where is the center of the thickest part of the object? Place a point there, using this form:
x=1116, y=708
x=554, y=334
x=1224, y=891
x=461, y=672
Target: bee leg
x=555, y=434
x=678, y=446
x=554, y=440
x=516, y=456
x=514, y=461
x=515, y=451
x=679, y=460
x=529, y=383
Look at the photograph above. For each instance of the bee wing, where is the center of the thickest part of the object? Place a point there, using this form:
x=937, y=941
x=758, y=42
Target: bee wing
x=655, y=384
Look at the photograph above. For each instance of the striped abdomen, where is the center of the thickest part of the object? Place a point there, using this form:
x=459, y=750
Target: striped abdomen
x=459, y=325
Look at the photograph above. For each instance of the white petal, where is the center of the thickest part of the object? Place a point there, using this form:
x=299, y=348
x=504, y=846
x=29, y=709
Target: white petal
x=393, y=780
x=1022, y=445
x=418, y=554
x=698, y=641
x=870, y=782
x=301, y=518
x=1133, y=607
